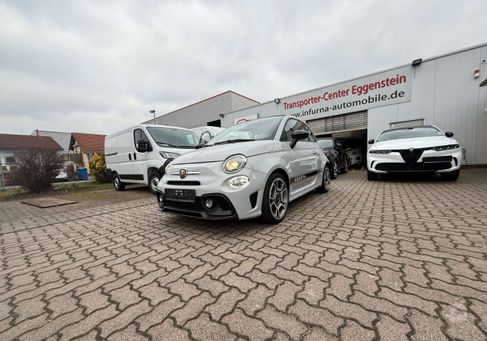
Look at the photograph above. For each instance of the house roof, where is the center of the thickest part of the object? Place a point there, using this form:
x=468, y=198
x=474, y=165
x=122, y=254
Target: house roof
x=89, y=143
x=22, y=142
x=62, y=138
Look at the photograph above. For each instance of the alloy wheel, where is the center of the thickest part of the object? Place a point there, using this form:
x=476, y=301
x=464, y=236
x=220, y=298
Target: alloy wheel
x=278, y=198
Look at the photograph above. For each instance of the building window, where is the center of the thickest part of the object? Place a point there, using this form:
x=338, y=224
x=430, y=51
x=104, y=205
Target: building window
x=10, y=160
x=407, y=124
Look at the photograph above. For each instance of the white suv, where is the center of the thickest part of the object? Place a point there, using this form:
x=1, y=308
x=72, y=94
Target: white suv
x=249, y=170
x=415, y=149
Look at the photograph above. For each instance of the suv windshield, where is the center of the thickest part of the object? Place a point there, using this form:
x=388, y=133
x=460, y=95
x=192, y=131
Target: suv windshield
x=261, y=129
x=325, y=144
x=407, y=133
x=173, y=137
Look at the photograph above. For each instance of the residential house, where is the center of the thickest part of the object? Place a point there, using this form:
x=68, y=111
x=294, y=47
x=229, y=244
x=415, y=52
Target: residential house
x=87, y=145
x=10, y=143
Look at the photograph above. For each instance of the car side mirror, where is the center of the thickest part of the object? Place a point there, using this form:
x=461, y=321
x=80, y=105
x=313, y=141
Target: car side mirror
x=371, y=141
x=449, y=134
x=298, y=135
x=143, y=146
x=205, y=138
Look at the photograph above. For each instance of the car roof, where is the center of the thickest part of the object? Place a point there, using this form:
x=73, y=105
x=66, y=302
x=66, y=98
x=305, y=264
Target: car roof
x=412, y=127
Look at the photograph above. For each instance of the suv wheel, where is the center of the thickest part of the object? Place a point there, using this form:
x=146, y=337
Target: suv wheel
x=371, y=176
x=451, y=176
x=276, y=199
x=334, y=171
x=117, y=182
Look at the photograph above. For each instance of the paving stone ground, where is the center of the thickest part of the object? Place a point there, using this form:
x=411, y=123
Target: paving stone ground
x=388, y=260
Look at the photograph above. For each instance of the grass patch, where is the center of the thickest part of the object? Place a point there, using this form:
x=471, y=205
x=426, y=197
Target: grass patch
x=58, y=189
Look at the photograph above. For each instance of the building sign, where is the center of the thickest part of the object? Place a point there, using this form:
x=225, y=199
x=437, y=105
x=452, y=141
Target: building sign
x=377, y=90
x=243, y=119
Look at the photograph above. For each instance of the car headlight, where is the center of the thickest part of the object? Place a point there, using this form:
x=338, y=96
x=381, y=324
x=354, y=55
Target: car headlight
x=238, y=182
x=447, y=147
x=234, y=163
x=169, y=155
x=379, y=151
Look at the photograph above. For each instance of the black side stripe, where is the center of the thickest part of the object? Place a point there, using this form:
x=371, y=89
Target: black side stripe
x=304, y=176
x=131, y=176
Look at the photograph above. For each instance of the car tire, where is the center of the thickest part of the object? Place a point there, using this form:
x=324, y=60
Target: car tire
x=154, y=179
x=276, y=199
x=451, y=176
x=371, y=176
x=117, y=183
x=325, y=183
x=334, y=171
x=345, y=167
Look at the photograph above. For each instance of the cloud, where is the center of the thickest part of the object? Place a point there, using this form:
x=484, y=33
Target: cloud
x=101, y=66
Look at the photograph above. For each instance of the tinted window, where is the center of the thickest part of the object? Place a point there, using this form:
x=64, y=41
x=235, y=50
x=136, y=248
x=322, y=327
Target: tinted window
x=292, y=125
x=139, y=135
x=261, y=129
x=407, y=133
x=325, y=143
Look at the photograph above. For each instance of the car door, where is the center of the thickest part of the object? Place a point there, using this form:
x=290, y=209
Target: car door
x=140, y=157
x=303, y=160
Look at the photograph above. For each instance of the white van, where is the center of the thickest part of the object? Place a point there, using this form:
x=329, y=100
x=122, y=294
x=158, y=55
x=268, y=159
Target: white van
x=141, y=153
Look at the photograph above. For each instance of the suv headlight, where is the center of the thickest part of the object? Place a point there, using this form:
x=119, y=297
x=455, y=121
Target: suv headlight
x=234, y=163
x=447, y=147
x=169, y=155
x=379, y=151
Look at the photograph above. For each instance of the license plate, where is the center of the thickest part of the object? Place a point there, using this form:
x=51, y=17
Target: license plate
x=188, y=195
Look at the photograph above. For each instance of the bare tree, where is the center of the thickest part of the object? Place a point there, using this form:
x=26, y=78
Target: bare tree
x=37, y=169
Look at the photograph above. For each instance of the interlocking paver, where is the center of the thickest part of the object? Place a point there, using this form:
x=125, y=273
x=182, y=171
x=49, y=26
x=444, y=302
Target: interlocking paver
x=392, y=259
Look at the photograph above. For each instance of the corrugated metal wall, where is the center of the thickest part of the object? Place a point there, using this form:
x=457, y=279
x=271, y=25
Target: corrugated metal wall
x=208, y=110
x=357, y=120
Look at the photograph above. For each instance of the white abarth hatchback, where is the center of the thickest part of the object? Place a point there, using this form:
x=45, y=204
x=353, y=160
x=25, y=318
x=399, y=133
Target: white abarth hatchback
x=249, y=170
x=415, y=149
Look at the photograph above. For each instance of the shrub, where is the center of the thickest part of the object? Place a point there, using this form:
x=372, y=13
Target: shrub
x=98, y=168
x=36, y=169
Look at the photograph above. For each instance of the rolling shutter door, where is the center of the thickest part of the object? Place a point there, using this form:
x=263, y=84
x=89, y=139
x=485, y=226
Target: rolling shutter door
x=326, y=125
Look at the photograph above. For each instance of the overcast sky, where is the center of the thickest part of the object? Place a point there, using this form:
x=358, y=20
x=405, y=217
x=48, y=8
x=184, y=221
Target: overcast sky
x=100, y=66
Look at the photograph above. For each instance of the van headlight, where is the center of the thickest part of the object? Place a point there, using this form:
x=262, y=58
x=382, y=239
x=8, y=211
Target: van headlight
x=238, y=182
x=169, y=155
x=234, y=163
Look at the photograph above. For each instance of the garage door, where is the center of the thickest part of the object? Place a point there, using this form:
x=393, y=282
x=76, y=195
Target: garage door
x=352, y=121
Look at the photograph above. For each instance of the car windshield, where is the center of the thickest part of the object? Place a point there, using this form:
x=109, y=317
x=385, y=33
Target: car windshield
x=173, y=137
x=261, y=129
x=407, y=133
x=325, y=143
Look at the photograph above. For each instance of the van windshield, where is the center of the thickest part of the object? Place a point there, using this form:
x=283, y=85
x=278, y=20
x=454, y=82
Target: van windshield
x=173, y=137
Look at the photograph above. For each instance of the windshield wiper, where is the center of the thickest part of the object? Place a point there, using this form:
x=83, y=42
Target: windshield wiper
x=165, y=144
x=233, y=141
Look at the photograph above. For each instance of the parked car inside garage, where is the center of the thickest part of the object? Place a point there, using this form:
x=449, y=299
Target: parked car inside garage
x=333, y=150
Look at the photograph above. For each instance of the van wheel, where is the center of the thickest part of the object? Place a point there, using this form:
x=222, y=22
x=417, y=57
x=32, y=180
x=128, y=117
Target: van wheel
x=154, y=179
x=325, y=184
x=276, y=199
x=117, y=183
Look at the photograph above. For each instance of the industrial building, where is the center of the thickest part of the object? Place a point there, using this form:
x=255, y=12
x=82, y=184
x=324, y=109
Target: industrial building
x=448, y=91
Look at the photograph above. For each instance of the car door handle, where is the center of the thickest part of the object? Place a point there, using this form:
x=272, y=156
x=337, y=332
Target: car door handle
x=315, y=153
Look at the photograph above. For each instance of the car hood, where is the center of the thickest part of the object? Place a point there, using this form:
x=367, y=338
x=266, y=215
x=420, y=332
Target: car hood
x=223, y=151
x=417, y=142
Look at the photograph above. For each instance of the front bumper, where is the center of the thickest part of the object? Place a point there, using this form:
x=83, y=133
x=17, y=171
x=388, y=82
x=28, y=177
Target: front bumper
x=208, y=180
x=430, y=161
